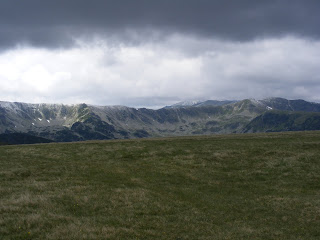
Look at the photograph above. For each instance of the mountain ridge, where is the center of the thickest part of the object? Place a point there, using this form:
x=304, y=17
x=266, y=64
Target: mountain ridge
x=76, y=122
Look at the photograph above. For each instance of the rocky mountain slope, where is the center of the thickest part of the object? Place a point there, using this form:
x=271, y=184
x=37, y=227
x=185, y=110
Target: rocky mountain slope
x=60, y=122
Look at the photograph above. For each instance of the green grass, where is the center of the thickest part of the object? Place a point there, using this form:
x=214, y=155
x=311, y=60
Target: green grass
x=249, y=186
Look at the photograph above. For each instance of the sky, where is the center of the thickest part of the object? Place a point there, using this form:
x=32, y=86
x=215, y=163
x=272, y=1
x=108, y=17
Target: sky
x=151, y=53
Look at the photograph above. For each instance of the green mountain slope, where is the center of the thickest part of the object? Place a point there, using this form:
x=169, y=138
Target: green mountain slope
x=277, y=121
x=21, y=138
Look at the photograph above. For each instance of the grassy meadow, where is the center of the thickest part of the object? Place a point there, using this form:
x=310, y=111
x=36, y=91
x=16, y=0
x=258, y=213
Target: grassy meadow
x=246, y=186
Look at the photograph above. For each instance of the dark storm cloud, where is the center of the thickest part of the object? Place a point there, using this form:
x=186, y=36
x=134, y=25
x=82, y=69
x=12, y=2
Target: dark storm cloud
x=57, y=23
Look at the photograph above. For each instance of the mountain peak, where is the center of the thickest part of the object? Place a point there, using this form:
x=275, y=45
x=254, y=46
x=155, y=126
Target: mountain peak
x=187, y=103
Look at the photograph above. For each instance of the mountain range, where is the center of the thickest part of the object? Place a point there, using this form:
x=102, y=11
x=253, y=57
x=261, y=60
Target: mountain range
x=79, y=122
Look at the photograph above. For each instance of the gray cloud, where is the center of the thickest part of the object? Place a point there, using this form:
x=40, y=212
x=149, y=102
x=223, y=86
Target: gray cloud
x=57, y=23
x=155, y=53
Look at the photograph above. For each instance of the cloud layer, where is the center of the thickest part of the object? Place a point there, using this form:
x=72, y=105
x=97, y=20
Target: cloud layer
x=158, y=74
x=154, y=53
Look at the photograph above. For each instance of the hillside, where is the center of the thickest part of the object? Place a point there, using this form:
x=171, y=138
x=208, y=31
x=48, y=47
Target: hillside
x=65, y=123
x=278, y=121
x=21, y=138
x=236, y=186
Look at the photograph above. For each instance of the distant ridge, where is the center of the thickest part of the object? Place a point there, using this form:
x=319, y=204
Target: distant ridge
x=78, y=122
x=198, y=103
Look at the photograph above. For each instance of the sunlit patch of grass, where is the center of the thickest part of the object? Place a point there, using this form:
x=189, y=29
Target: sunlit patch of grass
x=252, y=186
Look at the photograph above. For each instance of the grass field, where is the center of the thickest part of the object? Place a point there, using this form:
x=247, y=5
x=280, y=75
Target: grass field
x=248, y=186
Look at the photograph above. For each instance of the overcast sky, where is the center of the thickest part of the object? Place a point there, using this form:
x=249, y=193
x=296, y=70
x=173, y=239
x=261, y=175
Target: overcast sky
x=151, y=53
